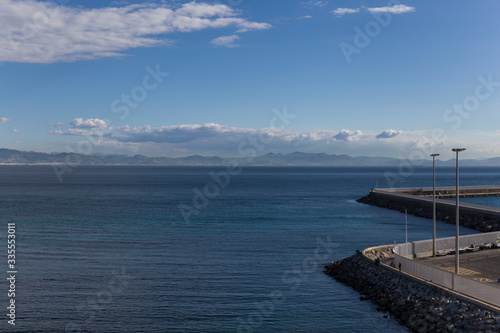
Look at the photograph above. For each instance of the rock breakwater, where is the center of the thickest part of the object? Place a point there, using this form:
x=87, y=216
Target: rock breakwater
x=419, y=306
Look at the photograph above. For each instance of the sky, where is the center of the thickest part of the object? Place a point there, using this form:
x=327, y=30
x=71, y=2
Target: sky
x=240, y=77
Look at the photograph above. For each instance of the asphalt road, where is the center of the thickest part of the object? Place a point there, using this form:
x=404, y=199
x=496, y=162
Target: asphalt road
x=482, y=265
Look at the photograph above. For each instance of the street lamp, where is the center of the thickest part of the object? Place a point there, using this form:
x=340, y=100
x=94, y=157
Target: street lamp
x=434, y=204
x=457, y=218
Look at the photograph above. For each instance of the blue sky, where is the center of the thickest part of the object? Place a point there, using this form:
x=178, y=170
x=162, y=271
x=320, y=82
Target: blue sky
x=379, y=78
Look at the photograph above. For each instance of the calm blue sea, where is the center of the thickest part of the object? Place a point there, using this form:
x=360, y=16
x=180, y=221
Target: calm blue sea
x=107, y=249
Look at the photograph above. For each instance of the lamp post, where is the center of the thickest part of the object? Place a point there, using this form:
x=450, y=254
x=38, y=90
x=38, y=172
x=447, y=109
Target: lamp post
x=457, y=218
x=434, y=204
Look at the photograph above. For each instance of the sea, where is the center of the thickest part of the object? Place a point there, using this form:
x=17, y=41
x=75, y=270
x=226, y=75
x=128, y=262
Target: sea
x=198, y=249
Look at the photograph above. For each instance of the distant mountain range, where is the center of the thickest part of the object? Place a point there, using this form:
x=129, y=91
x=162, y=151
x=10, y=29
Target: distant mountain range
x=9, y=156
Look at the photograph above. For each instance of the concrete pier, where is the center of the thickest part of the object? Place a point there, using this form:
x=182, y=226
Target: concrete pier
x=444, y=192
x=418, y=201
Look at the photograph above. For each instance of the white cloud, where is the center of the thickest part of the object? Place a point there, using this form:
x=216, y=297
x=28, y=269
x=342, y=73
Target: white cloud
x=315, y=3
x=396, y=9
x=306, y=17
x=15, y=131
x=5, y=120
x=347, y=135
x=42, y=32
x=85, y=132
x=390, y=133
x=227, y=41
x=58, y=124
x=81, y=132
x=180, y=133
x=342, y=11
x=84, y=127
x=311, y=137
x=89, y=123
x=194, y=9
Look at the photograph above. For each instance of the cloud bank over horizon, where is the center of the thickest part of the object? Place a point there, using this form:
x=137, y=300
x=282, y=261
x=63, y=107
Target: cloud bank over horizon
x=227, y=141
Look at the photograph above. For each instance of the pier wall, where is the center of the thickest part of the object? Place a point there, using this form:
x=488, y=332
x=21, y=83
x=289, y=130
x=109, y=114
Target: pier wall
x=423, y=248
x=417, y=202
x=449, y=191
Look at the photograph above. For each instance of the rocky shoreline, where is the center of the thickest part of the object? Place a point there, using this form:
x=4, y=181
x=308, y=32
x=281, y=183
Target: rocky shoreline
x=418, y=306
x=469, y=219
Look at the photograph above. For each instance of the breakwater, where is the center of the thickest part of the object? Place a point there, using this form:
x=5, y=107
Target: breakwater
x=418, y=201
x=449, y=191
x=419, y=305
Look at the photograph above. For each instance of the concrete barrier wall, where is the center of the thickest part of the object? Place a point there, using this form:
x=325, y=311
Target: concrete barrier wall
x=448, y=191
x=423, y=248
x=462, y=284
x=429, y=273
x=480, y=290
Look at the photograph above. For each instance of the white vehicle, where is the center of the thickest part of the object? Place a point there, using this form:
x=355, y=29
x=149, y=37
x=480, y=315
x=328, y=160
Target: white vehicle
x=473, y=249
